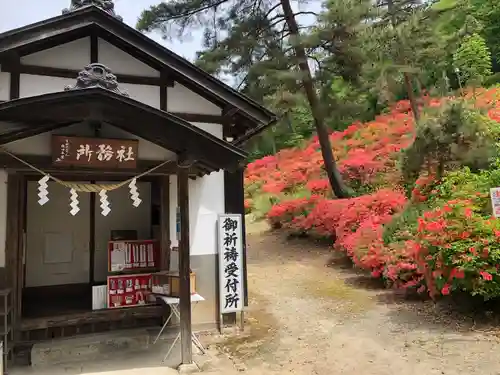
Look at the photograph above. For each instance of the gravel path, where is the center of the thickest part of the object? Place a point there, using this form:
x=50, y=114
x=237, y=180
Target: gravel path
x=309, y=316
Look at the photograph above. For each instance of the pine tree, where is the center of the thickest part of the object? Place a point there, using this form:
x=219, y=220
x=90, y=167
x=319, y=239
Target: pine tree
x=473, y=60
x=395, y=13
x=265, y=33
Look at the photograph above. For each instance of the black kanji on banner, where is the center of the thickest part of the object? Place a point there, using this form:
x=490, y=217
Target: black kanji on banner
x=231, y=287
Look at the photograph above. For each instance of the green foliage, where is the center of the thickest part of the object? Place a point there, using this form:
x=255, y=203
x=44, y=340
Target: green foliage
x=473, y=59
x=262, y=204
x=470, y=238
x=346, y=103
x=488, y=14
x=453, y=135
x=460, y=18
x=492, y=80
x=464, y=184
x=403, y=226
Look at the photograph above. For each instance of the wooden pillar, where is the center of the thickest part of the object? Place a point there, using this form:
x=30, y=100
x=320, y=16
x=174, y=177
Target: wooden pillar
x=184, y=267
x=165, y=222
x=92, y=220
x=13, y=250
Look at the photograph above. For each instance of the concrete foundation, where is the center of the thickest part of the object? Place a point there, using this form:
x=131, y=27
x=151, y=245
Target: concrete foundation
x=129, y=352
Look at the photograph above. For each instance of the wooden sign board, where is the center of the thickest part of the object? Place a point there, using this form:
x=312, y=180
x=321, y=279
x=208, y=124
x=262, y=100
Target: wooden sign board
x=94, y=152
x=230, y=243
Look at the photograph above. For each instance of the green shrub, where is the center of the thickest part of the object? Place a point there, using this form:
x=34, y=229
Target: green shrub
x=449, y=137
x=473, y=59
x=403, y=225
x=493, y=80
x=262, y=204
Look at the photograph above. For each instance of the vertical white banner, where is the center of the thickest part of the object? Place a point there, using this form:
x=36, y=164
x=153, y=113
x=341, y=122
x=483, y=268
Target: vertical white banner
x=230, y=246
x=495, y=201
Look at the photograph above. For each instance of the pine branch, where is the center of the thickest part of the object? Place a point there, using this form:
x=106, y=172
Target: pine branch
x=158, y=15
x=193, y=12
x=273, y=8
x=306, y=13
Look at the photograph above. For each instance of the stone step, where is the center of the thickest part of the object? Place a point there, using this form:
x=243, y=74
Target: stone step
x=90, y=347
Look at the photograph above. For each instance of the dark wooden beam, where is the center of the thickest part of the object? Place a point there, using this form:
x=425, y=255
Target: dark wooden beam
x=184, y=268
x=69, y=73
x=31, y=131
x=163, y=90
x=93, y=197
x=229, y=111
x=12, y=244
x=91, y=317
x=21, y=267
x=165, y=222
x=198, y=117
x=94, y=49
x=92, y=248
x=15, y=77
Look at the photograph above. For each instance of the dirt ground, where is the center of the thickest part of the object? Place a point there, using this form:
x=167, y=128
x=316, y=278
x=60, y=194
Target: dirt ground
x=311, y=315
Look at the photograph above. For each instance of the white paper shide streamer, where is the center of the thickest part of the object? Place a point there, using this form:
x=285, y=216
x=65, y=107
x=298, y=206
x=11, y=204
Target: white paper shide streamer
x=134, y=193
x=105, y=210
x=42, y=190
x=74, y=202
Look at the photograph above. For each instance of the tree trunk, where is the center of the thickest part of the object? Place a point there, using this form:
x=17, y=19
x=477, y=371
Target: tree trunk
x=407, y=77
x=411, y=96
x=338, y=187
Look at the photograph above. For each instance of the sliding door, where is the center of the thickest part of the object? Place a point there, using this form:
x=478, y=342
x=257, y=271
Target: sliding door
x=57, y=243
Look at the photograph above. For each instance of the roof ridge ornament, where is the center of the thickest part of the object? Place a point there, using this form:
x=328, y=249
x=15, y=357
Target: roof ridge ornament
x=97, y=75
x=106, y=5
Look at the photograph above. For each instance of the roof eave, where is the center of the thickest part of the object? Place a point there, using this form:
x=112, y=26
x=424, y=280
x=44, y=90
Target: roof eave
x=92, y=15
x=255, y=131
x=103, y=97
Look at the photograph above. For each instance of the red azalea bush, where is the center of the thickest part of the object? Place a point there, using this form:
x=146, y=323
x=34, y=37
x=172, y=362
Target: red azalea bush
x=440, y=244
x=290, y=213
x=355, y=223
x=366, y=155
x=458, y=249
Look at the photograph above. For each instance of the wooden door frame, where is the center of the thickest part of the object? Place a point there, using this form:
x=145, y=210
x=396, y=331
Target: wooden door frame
x=15, y=225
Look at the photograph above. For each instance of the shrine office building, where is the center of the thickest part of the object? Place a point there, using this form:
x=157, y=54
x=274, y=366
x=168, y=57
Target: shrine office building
x=111, y=144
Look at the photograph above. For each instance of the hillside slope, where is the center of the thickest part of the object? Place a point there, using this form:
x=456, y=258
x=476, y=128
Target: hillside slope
x=381, y=228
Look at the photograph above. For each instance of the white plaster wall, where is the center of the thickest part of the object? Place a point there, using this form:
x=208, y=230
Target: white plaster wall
x=4, y=86
x=33, y=85
x=73, y=55
x=41, y=144
x=123, y=216
x=149, y=95
x=206, y=201
x=181, y=99
x=3, y=214
x=76, y=55
x=122, y=63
